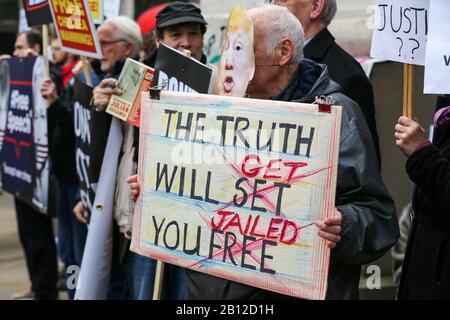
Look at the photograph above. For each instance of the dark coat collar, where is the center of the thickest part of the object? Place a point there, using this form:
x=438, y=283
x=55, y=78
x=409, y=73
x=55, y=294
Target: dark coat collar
x=318, y=46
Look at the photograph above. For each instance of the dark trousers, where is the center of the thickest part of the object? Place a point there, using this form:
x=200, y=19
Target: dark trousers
x=36, y=236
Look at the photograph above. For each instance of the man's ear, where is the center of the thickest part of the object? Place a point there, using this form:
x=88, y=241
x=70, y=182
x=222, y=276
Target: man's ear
x=285, y=52
x=317, y=9
x=38, y=48
x=129, y=50
x=157, y=39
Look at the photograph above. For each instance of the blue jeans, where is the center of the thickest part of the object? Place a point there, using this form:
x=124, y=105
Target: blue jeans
x=140, y=273
x=71, y=233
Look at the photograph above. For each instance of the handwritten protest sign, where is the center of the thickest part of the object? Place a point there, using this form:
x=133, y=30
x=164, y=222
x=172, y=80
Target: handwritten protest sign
x=37, y=12
x=401, y=29
x=75, y=27
x=232, y=186
x=437, y=67
x=24, y=162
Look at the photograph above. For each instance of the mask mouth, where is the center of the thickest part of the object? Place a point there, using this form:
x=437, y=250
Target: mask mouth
x=228, y=84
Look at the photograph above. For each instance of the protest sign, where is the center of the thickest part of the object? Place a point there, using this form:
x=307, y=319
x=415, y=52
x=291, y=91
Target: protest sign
x=82, y=125
x=93, y=280
x=96, y=7
x=181, y=73
x=134, y=79
x=75, y=27
x=24, y=151
x=401, y=29
x=231, y=187
x=437, y=66
x=37, y=12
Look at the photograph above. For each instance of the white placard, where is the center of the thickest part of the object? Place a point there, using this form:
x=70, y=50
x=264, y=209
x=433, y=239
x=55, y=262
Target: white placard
x=401, y=29
x=437, y=64
x=111, y=8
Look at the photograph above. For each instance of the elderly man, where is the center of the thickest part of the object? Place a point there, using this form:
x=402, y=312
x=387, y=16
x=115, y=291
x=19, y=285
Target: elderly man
x=315, y=16
x=364, y=226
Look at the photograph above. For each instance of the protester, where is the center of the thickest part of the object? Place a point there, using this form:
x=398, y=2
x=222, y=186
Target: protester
x=425, y=271
x=35, y=229
x=60, y=115
x=237, y=64
x=320, y=46
x=180, y=26
x=364, y=226
x=119, y=38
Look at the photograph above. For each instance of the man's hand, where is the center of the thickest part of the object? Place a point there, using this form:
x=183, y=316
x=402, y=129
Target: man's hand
x=135, y=187
x=4, y=57
x=48, y=91
x=330, y=229
x=103, y=92
x=28, y=53
x=78, y=211
x=409, y=135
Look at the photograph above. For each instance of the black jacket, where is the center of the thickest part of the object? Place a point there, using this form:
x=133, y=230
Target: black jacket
x=426, y=268
x=348, y=73
x=61, y=134
x=369, y=223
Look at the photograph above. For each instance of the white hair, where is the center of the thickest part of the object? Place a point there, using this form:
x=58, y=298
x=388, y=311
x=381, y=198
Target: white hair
x=127, y=29
x=329, y=11
x=280, y=23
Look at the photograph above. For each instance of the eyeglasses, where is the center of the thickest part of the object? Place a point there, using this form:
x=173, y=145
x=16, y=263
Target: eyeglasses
x=275, y=1
x=106, y=43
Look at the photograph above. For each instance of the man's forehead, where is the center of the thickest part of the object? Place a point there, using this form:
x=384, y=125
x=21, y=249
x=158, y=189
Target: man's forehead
x=106, y=31
x=22, y=38
x=183, y=27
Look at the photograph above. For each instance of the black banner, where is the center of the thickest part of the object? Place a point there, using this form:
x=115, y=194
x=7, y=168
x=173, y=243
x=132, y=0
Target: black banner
x=91, y=132
x=181, y=73
x=37, y=12
x=24, y=148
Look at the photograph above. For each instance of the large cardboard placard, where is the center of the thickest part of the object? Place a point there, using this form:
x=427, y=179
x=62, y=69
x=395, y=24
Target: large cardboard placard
x=75, y=27
x=231, y=187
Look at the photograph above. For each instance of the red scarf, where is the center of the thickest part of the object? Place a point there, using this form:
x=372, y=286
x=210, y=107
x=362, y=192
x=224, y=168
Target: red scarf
x=67, y=73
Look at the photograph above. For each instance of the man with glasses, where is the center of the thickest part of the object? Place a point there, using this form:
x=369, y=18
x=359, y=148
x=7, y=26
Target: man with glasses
x=320, y=46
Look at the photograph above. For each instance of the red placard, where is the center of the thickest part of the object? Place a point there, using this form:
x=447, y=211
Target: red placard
x=75, y=27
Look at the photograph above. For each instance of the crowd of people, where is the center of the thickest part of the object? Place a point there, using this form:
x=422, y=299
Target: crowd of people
x=295, y=59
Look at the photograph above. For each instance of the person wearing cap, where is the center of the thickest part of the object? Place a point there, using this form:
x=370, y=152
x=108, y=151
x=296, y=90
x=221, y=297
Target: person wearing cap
x=180, y=26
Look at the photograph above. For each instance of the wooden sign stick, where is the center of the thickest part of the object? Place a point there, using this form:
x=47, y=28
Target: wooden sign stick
x=45, y=49
x=408, y=90
x=157, y=286
x=87, y=71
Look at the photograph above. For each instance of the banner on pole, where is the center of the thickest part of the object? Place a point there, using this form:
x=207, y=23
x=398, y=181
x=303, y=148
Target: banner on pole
x=24, y=148
x=75, y=27
x=231, y=187
x=401, y=30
